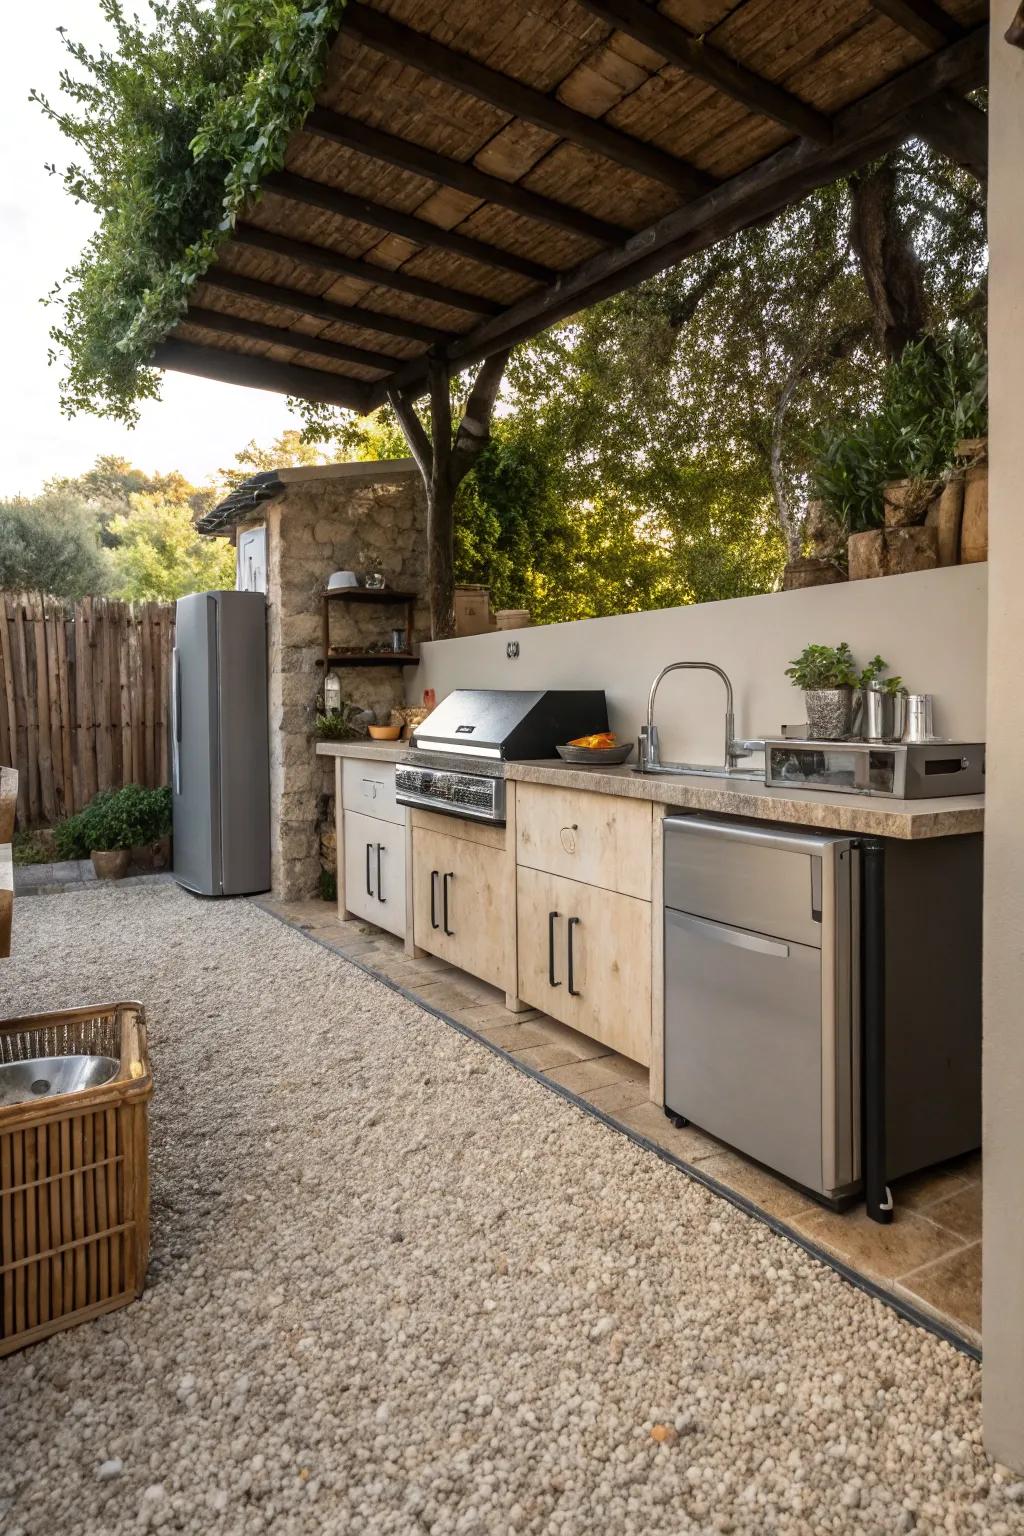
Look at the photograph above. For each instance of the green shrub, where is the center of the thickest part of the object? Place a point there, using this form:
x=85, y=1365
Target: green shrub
x=935, y=394
x=116, y=818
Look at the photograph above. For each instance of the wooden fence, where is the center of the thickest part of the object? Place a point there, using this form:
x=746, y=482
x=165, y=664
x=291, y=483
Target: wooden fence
x=84, y=698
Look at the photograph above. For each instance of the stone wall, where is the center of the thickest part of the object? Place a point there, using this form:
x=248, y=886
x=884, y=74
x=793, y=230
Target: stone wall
x=326, y=520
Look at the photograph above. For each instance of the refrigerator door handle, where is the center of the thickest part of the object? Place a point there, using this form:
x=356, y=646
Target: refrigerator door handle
x=176, y=720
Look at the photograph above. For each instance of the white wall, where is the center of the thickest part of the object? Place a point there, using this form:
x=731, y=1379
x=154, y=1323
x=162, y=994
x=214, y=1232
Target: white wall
x=1003, y=1272
x=930, y=627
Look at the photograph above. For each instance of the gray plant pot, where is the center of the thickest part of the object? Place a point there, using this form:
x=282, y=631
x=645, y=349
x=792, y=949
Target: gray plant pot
x=829, y=713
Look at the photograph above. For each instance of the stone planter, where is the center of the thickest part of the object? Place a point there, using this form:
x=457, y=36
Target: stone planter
x=829, y=713
x=799, y=574
x=110, y=863
x=906, y=502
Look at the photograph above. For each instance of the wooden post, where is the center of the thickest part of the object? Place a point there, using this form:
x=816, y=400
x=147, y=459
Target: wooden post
x=444, y=464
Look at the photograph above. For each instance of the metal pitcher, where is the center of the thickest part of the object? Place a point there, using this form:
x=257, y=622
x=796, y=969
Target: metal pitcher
x=882, y=715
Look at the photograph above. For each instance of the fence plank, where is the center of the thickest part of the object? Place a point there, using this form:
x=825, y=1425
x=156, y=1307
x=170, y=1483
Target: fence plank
x=84, y=698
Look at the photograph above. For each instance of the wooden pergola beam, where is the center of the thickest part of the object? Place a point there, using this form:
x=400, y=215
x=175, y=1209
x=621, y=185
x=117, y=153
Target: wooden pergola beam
x=326, y=260
x=876, y=123
x=463, y=177
x=363, y=210
x=923, y=19
x=321, y=309
x=641, y=21
x=261, y=373
x=280, y=336
x=957, y=129
x=420, y=52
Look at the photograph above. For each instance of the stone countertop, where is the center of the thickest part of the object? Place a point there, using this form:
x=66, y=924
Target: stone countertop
x=868, y=816
x=379, y=751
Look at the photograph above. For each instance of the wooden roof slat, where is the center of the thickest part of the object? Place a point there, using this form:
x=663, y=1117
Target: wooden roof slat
x=322, y=309
x=327, y=260
x=878, y=121
x=701, y=59
x=957, y=129
x=280, y=336
x=261, y=373
x=455, y=173
x=364, y=211
x=466, y=74
x=923, y=19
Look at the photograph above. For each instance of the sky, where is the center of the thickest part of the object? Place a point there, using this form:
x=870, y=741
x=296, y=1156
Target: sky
x=198, y=425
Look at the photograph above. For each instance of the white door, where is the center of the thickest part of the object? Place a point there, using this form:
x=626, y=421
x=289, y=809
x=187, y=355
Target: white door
x=375, y=871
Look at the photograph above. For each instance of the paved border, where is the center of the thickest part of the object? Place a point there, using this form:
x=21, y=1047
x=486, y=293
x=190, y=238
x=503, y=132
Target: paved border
x=74, y=875
x=897, y=1304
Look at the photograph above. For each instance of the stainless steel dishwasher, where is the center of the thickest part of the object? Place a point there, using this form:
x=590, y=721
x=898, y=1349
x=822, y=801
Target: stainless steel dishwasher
x=761, y=995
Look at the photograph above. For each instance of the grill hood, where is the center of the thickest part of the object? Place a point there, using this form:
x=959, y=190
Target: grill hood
x=509, y=724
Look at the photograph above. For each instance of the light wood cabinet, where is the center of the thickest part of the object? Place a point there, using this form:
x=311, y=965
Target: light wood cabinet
x=585, y=958
x=374, y=858
x=602, y=840
x=464, y=904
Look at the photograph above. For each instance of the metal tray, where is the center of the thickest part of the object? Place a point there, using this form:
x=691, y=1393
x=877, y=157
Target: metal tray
x=609, y=755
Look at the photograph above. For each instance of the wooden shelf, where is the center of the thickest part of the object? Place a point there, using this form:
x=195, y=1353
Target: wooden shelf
x=373, y=659
x=368, y=595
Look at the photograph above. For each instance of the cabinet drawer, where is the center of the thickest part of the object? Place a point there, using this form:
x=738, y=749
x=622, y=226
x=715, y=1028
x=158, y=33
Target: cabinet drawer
x=464, y=905
x=585, y=958
x=375, y=871
x=369, y=787
x=603, y=840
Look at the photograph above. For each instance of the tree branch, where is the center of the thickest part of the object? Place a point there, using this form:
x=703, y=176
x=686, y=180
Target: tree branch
x=440, y=421
x=419, y=442
x=475, y=427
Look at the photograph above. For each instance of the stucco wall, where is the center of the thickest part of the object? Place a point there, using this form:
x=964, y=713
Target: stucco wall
x=320, y=524
x=929, y=626
x=1003, y=1247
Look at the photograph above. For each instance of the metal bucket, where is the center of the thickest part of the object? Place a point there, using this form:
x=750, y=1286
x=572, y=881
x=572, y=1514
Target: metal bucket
x=883, y=715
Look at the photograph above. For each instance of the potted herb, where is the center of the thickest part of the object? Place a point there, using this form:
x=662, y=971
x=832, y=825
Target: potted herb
x=346, y=723
x=882, y=701
x=118, y=827
x=828, y=676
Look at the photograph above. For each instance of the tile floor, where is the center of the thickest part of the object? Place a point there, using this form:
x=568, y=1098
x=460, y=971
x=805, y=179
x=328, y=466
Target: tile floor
x=929, y=1256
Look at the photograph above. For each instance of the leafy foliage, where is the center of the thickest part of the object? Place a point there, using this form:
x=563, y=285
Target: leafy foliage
x=51, y=544
x=823, y=666
x=157, y=553
x=122, y=818
x=175, y=125
x=932, y=396
x=344, y=724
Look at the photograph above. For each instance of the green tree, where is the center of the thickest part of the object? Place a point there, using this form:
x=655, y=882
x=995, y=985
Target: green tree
x=50, y=544
x=158, y=553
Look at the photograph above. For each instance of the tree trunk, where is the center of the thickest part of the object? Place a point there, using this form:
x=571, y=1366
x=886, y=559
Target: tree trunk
x=441, y=559
x=888, y=262
x=444, y=464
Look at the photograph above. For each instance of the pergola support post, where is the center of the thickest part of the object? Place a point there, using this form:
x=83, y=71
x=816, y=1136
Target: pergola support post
x=444, y=462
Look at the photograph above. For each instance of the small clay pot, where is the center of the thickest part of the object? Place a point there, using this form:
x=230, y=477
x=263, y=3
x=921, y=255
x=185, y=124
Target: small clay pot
x=110, y=863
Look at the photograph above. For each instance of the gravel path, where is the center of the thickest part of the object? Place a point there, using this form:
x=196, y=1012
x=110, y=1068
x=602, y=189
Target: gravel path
x=398, y=1288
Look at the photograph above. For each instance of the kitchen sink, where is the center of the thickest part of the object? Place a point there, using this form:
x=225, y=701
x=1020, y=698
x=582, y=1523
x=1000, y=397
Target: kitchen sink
x=701, y=770
x=44, y=1076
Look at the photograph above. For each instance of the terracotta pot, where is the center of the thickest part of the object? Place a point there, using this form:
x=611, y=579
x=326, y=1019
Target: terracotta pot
x=110, y=863
x=154, y=855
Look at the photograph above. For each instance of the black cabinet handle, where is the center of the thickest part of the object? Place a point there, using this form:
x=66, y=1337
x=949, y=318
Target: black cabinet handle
x=552, y=918
x=449, y=932
x=369, y=892
x=433, y=899
x=380, y=898
x=572, y=990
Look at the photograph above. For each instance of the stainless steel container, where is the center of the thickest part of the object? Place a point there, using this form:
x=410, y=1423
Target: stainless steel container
x=883, y=715
x=919, y=724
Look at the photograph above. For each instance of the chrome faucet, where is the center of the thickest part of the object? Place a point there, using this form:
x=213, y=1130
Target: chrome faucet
x=650, y=744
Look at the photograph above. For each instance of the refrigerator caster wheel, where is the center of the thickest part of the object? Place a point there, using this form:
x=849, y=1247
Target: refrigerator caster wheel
x=680, y=1122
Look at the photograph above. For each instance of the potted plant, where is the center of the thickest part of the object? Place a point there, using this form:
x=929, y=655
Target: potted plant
x=882, y=715
x=827, y=675
x=117, y=827
x=346, y=723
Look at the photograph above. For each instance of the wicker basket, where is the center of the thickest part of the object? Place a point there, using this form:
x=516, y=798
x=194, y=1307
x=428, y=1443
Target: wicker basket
x=74, y=1178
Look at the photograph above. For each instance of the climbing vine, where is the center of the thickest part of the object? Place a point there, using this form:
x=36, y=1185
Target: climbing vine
x=174, y=127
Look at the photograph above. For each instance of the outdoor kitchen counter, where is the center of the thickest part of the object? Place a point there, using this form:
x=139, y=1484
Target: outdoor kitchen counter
x=370, y=751
x=868, y=816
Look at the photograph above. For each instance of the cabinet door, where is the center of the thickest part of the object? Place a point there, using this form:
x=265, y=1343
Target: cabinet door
x=585, y=958
x=464, y=905
x=602, y=840
x=375, y=871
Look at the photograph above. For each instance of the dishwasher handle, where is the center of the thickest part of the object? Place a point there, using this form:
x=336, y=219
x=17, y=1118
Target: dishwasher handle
x=739, y=938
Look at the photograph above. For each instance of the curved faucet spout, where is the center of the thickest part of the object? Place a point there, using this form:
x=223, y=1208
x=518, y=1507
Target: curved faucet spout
x=650, y=750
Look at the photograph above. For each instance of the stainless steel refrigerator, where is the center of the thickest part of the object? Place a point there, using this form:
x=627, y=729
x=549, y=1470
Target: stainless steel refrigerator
x=220, y=753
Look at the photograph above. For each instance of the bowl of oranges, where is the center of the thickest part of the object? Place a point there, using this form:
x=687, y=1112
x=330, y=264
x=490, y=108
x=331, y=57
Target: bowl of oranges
x=601, y=747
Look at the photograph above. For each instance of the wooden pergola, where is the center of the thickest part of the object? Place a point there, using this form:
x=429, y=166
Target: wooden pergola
x=473, y=172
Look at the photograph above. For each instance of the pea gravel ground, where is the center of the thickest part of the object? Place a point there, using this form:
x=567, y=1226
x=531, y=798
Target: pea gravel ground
x=397, y=1287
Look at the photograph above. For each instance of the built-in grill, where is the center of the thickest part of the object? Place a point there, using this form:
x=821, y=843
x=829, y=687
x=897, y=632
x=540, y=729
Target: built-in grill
x=456, y=764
